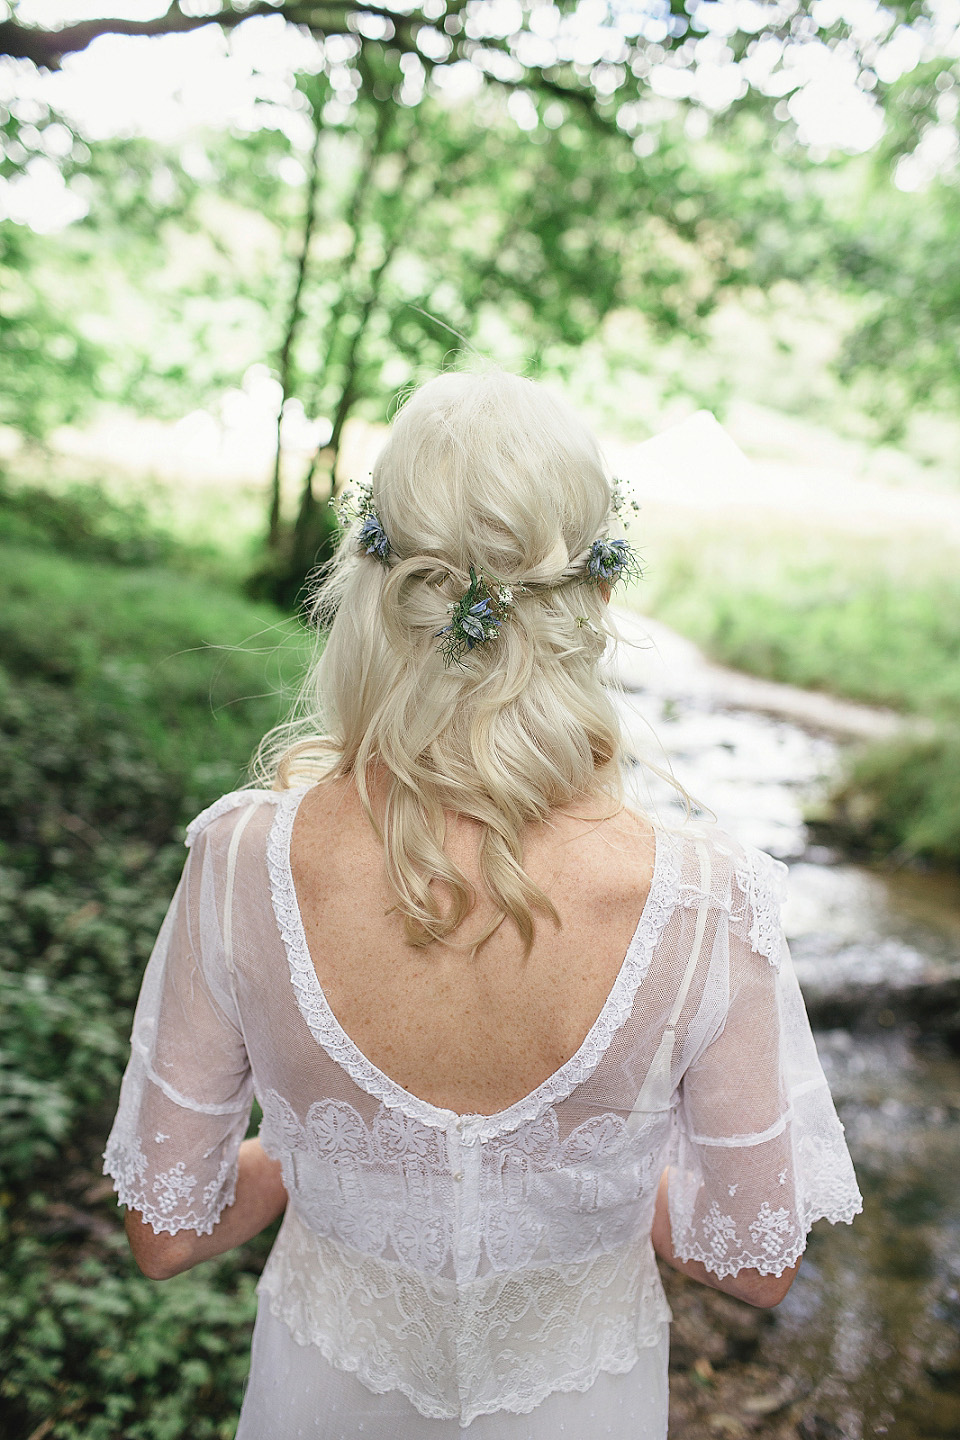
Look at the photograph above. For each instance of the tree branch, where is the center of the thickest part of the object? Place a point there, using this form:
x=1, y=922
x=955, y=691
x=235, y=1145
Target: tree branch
x=337, y=17
x=48, y=47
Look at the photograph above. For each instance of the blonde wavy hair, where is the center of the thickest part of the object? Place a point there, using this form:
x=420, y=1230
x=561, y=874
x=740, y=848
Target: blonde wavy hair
x=490, y=471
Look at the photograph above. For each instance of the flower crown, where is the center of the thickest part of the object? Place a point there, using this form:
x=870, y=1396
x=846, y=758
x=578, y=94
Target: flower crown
x=477, y=616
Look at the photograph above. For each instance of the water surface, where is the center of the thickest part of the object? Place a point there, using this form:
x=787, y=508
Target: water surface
x=869, y=1336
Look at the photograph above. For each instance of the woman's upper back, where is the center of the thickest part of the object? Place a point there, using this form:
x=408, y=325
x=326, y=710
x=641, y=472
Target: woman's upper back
x=288, y=917
x=470, y=1033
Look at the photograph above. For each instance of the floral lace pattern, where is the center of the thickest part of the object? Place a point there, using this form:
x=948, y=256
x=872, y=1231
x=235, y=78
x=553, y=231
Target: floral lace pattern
x=165, y=1199
x=391, y=1189
x=719, y=1230
x=777, y=1240
x=770, y=1229
x=369, y=1316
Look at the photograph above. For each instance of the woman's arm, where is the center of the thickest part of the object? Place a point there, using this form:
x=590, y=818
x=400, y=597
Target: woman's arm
x=260, y=1198
x=764, y=1291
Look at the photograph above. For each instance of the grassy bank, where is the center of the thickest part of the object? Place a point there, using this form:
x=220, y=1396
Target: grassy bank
x=872, y=617
x=131, y=695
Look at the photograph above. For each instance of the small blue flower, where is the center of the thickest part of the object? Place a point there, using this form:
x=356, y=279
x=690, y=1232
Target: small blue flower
x=609, y=559
x=373, y=538
x=475, y=618
x=356, y=505
x=476, y=623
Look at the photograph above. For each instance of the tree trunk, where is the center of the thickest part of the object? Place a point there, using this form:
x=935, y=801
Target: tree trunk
x=294, y=318
x=309, y=526
x=339, y=308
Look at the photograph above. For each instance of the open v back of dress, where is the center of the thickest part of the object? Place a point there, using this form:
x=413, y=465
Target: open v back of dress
x=468, y=1033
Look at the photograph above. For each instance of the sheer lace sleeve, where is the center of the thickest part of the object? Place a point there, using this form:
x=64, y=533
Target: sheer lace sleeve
x=760, y=1152
x=186, y=1095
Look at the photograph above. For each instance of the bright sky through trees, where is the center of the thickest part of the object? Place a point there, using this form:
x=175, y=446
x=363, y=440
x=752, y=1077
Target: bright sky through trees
x=167, y=86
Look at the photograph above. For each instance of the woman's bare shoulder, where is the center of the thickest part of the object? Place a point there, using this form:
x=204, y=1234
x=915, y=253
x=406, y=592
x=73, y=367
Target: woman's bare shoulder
x=607, y=858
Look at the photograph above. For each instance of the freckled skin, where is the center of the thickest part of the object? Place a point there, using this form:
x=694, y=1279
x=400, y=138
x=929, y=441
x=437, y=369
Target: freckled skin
x=469, y=1034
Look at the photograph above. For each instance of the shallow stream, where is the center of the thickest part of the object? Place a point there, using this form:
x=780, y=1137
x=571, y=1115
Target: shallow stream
x=869, y=1336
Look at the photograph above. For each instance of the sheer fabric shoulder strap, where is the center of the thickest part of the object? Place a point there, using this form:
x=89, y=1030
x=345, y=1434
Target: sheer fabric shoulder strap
x=225, y=804
x=238, y=830
x=656, y=1089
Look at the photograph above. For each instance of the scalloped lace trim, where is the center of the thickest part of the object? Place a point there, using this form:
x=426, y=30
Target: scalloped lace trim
x=516, y=1403
x=661, y=902
x=125, y=1164
x=225, y=804
x=841, y=1214
x=568, y=1324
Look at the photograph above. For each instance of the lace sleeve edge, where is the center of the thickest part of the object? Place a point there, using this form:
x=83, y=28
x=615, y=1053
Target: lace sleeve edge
x=842, y=1213
x=116, y=1165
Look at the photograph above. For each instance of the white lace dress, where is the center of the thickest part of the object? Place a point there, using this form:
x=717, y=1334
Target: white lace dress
x=437, y=1271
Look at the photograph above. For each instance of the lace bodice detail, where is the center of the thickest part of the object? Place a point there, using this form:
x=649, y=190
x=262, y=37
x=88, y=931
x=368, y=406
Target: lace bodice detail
x=524, y=1215
x=493, y=1342
x=478, y=1262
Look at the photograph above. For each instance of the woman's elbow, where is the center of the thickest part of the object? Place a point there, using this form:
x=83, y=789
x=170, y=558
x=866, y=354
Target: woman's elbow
x=158, y=1267
x=763, y=1291
x=154, y=1268
x=159, y=1257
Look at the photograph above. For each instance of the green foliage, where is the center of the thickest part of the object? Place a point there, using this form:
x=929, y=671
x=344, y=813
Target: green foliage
x=522, y=245
x=49, y=370
x=118, y=721
x=85, y=522
x=182, y=244
x=450, y=33
x=905, y=348
x=136, y=646
x=539, y=238
x=876, y=620
x=60, y=1054
x=149, y=299
x=94, y=1351
x=522, y=239
x=903, y=799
